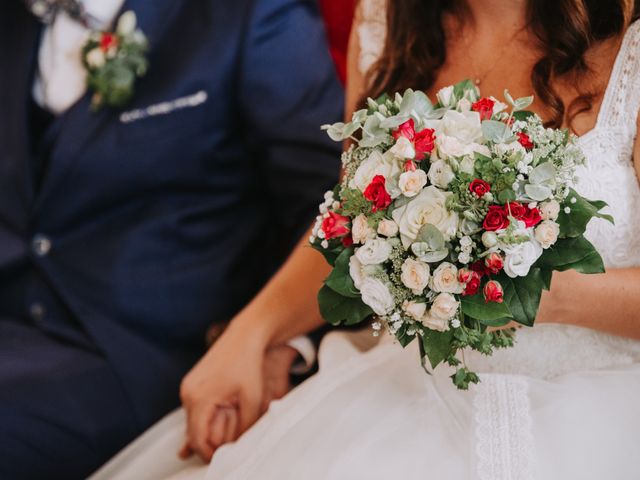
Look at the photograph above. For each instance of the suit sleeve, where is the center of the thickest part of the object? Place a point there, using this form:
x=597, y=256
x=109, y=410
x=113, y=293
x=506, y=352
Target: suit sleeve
x=289, y=88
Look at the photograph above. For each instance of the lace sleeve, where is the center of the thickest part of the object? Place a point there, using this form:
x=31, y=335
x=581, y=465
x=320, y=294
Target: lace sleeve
x=371, y=32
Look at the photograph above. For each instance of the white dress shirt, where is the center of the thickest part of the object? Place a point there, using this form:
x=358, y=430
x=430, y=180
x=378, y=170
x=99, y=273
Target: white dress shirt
x=61, y=78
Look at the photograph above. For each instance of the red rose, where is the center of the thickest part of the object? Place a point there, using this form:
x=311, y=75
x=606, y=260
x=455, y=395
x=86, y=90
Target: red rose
x=479, y=267
x=335, y=226
x=377, y=193
x=496, y=219
x=407, y=130
x=424, y=142
x=484, y=107
x=525, y=140
x=494, y=263
x=347, y=241
x=479, y=187
x=515, y=209
x=410, y=166
x=531, y=217
x=493, y=292
x=464, y=275
x=108, y=41
x=473, y=285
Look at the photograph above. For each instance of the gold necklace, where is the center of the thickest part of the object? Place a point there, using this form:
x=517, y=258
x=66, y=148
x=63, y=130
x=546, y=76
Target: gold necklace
x=479, y=78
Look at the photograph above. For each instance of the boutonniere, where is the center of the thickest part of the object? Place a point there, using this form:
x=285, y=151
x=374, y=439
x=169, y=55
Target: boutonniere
x=114, y=61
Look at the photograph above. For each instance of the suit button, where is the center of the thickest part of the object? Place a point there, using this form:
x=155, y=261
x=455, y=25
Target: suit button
x=41, y=245
x=37, y=312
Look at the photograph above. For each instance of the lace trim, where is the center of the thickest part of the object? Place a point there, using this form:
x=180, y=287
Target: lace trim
x=372, y=31
x=503, y=429
x=621, y=104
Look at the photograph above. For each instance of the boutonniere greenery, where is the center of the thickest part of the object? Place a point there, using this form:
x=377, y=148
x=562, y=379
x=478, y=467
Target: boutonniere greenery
x=114, y=61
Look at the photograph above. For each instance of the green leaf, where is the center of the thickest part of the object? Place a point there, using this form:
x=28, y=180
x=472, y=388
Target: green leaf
x=522, y=115
x=474, y=306
x=575, y=222
x=494, y=131
x=437, y=345
x=460, y=89
x=339, y=280
x=339, y=310
x=522, y=295
x=329, y=254
x=572, y=253
x=547, y=275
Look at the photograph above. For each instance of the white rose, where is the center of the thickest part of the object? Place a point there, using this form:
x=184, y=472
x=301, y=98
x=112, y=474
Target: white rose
x=404, y=149
x=127, y=23
x=519, y=258
x=467, y=165
x=465, y=126
x=388, y=228
x=550, y=210
x=445, y=96
x=445, y=279
x=449, y=146
x=377, y=295
x=95, y=58
x=415, y=275
x=489, y=239
x=411, y=182
x=360, y=230
x=374, y=251
x=441, y=174
x=464, y=105
x=429, y=206
x=375, y=164
x=356, y=271
x=415, y=310
x=509, y=148
x=547, y=233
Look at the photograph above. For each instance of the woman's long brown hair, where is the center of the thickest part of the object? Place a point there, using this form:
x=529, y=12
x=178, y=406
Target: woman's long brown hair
x=415, y=46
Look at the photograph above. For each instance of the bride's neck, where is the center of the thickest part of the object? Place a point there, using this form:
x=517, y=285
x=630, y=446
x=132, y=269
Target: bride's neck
x=489, y=15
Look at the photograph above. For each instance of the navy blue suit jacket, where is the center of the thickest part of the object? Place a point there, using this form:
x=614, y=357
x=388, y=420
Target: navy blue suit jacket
x=154, y=229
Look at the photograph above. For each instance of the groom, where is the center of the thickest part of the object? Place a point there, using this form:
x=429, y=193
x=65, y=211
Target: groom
x=125, y=233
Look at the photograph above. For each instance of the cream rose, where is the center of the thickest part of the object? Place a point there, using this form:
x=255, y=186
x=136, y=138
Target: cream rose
x=388, y=228
x=442, y=310
x=376, y=164
x=445, y=279
x=519, y=258
x=377, y=295
x=440, y=174
x=429, y=206
x=96, y=58
x=374, y=251
x=415, y=310
x=445, y=96
x=547, y=233
x=415, y=275
x=411, y=182
x=360, y=230
x=356, y=271
x=449, y=146
x=549, y=210
x=403, y=149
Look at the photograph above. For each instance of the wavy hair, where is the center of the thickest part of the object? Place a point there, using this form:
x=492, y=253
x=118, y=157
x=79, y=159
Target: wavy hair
x=415, y=46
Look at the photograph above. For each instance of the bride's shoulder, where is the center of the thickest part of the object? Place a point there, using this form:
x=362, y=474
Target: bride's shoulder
x=371, y=24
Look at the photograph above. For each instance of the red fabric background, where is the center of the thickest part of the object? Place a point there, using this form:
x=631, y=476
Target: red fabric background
x=338, y=16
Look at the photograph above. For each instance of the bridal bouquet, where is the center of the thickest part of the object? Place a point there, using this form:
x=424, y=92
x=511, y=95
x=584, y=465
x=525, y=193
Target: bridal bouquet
x=449, y=220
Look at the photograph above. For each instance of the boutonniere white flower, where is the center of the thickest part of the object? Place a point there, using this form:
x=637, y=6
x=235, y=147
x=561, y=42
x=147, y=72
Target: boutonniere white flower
x=114, y=61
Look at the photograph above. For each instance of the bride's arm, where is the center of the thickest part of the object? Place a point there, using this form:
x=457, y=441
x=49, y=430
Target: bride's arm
x=609, y=302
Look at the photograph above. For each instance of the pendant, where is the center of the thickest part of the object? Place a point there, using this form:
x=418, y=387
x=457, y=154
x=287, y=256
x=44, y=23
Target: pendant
x=477, y=81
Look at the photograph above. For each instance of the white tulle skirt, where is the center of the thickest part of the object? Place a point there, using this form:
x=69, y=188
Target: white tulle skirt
x=563, y=404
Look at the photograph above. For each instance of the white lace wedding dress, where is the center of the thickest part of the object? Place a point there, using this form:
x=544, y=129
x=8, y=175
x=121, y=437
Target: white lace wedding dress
x=563, y=404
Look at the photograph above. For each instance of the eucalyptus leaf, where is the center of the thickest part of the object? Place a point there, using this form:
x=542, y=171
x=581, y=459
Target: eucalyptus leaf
x=522, y=103
x=431, y=235
x=434, y=256
x=538, y=193
x=543, y=173
x=494, y=131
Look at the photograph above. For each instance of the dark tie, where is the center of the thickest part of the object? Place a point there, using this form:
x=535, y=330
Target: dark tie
x=46, y=10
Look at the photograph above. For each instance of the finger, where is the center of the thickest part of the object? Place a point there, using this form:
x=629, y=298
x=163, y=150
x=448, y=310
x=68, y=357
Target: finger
x=250, y=403
x=231, y=433
x=199, y=421
x=218, y=427
x=185, y=451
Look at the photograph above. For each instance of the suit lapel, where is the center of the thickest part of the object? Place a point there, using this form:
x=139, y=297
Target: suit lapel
x=79, y=123
x=19, y=35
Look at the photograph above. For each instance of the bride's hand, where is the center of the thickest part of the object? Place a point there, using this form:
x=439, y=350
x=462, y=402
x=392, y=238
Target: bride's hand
x=229, y=376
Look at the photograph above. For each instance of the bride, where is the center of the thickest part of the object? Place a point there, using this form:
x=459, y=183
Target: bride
x=564, y=402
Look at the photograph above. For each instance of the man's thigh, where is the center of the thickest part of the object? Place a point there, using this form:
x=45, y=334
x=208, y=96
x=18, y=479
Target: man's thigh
x=62, y=410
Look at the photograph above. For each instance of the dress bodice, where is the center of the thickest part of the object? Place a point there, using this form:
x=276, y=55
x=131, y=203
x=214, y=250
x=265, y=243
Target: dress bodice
x=609, y=175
